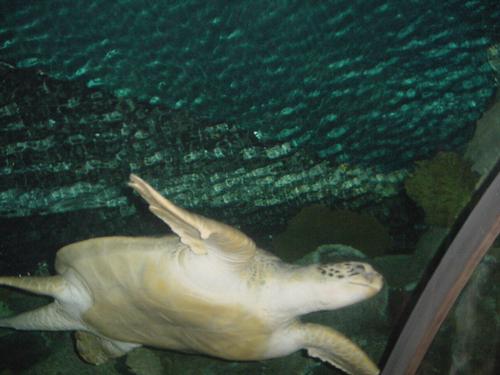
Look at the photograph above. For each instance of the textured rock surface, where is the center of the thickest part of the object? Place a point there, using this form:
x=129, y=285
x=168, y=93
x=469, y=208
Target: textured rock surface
x=316, y=225
x=484, y=148
x=142, y=361
x=68, y=147
x=288, y=70
x=316, y=99
x=404, y=272
x=322, y=75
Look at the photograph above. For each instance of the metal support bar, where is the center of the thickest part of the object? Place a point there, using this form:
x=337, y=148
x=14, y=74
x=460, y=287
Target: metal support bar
x=465, y=252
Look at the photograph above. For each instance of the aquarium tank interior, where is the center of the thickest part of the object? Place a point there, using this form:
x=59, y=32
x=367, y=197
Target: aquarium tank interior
x=355, y=132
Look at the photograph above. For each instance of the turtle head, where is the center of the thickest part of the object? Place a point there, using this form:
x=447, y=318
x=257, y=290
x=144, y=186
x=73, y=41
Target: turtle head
x=341, y=284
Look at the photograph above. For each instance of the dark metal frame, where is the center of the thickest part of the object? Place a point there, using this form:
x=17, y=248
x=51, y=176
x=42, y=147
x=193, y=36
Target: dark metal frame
x=469, y=246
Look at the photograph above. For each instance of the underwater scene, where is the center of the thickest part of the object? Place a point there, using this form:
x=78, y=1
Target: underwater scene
x=249, y=187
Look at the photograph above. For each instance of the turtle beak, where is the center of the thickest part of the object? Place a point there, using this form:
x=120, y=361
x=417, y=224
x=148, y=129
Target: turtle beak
x=371, y=276
x=368, y=277
x=376, y=281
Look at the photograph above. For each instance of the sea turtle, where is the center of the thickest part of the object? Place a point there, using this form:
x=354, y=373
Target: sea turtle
x=208, y=289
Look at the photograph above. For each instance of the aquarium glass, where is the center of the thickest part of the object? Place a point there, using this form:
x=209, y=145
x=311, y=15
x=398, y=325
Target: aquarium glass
x=326, y=131
x=468, y=340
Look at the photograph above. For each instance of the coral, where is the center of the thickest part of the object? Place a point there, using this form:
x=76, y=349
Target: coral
x=317, y=225
x=442, y=186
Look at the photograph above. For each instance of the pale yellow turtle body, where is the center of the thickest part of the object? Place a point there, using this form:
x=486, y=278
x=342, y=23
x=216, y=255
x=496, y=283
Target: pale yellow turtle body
x=207, y=289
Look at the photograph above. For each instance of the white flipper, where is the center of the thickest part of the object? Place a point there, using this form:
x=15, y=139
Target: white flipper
x=45, y=318
x=48, y=286
x=201, y=234
x=331, y=346
x=49, y=317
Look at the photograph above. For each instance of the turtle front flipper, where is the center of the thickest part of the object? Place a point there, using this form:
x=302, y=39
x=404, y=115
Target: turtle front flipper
x=97, y=350
x=331, y=346
x=201, y=234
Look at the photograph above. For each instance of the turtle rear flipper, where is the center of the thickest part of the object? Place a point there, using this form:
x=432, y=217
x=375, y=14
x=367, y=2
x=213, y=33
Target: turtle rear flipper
x=45, y=318
x=49, y=317
x=97, y=350
x=51, y=286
